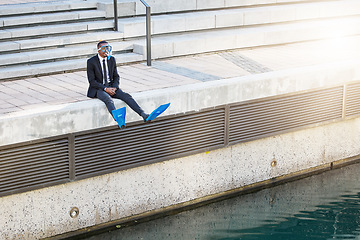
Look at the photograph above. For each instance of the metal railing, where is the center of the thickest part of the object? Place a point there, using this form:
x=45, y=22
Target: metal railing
x=148, y=32
x=148, y=28
x=116, y=28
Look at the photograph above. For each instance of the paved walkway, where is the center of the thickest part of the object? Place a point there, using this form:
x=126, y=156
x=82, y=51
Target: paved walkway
x=32, y=93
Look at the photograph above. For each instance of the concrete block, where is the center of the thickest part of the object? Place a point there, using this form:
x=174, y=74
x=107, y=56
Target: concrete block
x=61, y=53
x=83, y=4
x=164, y=24
x=250, y=38
x=200, y=21
x=164, y=6
x=63, y=6
x=4, y=34
x=129, y=57
x=189, y=45
x=44, y=30
x=255, y=16
x=52, y=7
x=33, y=19
x=14, y=58
x=125, y=8
x=205, y=4
x=220, y=41
x=282, y=14
x=9, y=46
x=201, y=42
x=229, y=19
x=133, y=27
x=290, y=1
x=48, y=42
x=107, y=24
x=241, y=3
x=107, y=8
x=159, y=49
x=30, y=70
x=330, y=10
x=91, y=14
x=286, y=35
x=71, y=39
x=307, y=12
x=8, y=10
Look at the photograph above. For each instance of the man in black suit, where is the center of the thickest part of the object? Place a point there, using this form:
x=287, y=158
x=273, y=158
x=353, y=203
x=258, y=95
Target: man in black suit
x=106, y=88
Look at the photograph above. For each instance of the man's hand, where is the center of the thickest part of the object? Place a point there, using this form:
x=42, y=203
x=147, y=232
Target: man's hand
x=110, y=90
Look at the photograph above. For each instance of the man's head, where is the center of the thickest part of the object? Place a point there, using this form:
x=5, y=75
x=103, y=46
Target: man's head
x=104, y=49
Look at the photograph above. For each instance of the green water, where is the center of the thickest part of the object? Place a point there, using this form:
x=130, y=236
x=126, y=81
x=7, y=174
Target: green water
x=325, y=206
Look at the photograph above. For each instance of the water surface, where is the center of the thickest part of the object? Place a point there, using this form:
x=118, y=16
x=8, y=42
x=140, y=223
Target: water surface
x=324, y=206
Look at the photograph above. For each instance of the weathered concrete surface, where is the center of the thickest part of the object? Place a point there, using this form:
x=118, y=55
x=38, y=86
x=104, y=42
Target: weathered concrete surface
x=85, y=115
x=45, y=212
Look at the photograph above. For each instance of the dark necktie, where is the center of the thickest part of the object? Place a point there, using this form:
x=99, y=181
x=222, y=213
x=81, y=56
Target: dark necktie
x=105, y=74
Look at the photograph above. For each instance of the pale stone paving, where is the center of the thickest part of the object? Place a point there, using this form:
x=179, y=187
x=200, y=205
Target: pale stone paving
x=37, y=92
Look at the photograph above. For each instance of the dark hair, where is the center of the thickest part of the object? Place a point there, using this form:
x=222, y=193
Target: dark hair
x=101, y=42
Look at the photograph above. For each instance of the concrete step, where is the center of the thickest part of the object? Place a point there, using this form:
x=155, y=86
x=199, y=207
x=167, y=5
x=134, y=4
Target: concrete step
x=59, y=66
x=55, y=29
x=166, y=6
x=7, y=22
x=55, y=54
x=194, y=21
x=45, y=7
x=128, y=8
x=58, y=41
x=235, y=38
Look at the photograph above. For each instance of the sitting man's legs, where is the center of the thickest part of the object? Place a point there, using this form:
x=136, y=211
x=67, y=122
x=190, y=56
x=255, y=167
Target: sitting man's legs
x=106, y=98
x=127, y=98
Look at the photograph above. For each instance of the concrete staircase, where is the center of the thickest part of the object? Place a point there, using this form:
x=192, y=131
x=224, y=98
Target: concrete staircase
x=52, y=37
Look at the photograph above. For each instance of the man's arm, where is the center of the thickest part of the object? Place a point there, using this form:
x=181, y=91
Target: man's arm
x=116, y=78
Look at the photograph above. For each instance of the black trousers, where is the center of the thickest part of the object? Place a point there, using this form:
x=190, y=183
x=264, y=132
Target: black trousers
x=119, y=94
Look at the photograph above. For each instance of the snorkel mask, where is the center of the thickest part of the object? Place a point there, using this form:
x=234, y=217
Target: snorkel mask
x=106, y=49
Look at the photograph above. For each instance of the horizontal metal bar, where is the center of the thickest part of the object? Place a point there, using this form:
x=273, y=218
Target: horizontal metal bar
x=270, y=117
x=91, y=158
x=41, y=156
x=21, y=186
x=150, y=127
x=30, y=180
x=280, y=100
x=252, y=108
x=32, y=148
x=94, y=159
x=37, y=169
x=143, y=160
x=268, y=131
x=149, y=138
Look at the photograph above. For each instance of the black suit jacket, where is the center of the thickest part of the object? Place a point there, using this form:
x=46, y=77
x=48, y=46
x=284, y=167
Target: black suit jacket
x=95, y=75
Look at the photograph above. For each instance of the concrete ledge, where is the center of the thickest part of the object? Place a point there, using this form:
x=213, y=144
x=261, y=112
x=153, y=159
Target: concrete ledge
x=63, y=119
x=45, y=212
